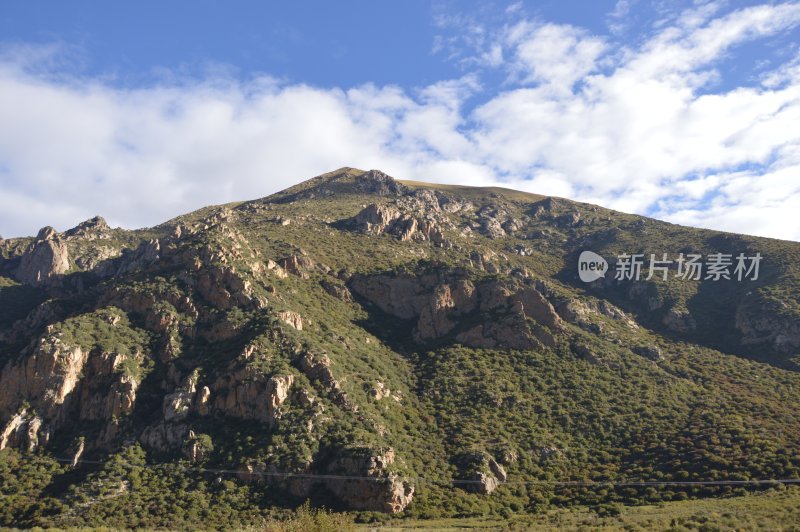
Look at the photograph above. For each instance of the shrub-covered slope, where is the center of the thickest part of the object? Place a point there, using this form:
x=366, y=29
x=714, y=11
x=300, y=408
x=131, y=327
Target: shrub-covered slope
x=385, y=346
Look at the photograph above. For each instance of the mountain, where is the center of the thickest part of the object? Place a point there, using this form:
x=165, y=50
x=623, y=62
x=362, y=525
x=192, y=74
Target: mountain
x=388, y=346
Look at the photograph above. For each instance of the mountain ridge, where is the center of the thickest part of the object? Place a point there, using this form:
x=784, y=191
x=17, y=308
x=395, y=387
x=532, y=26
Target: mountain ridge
x=389, y=346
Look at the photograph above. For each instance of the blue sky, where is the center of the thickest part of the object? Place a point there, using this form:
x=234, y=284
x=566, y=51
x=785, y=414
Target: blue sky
x=685, y=111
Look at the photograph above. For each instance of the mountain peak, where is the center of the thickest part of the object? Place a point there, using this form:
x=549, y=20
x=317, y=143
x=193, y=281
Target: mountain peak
x=345, y=180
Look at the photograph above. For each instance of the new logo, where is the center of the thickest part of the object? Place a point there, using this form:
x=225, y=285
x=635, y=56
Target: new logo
x=591, y=266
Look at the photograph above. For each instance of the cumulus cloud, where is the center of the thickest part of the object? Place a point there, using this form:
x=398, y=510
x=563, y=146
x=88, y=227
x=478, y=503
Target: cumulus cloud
x=552, y=55
x=644, y=128
x=73, y=148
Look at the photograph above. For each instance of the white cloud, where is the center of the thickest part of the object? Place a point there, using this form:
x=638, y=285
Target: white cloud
x=639, y=128
x=70, y=150
x=633, y=134
x=553, y=55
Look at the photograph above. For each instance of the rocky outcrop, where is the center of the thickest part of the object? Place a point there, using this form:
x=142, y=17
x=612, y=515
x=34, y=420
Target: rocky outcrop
x=293, y=319
x=511, y=316
x=379, y=391
x=102, y=401
x=99, y=260
x=494, y=221
x=491, y=227
x=534, y=305
x=379, y=219
x=361, y=478
x=680, y=321
x=77, y=452
x=163, y=436
x=64, y=384
x=46, y=379
x=378, y=490
x=585, y=313
x=142, y=257
x=376, y=218
x=202, y=401
x=446, y=303
x=93, y=229
x=317, y=367
x=586, y=353
x=225, y=288
x=402, y=297
x=336, y=290
x=176, y=405
x=250, y=394
x=781, y=333
x=428, y=230
x=197, y=446
x=377, y=182
x=47, y=312
x=45, y=260
x=484, y=473
x=22, y=431
x=484, y=261
x=649, y=352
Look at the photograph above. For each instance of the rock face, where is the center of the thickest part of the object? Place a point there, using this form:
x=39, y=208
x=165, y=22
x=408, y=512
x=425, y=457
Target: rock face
x=317, y=367
x=381, y=491
x=249, y=394
x=585, y=313
x=45, y=260
x=487, y=474
x=164, y=437
x=758, y=327
x=649, y=352
x=336, y=290
x=22, y=431
x=517, y=317
x=64, y=383
x=680, y=321
x=291, y=318
x=377, y=182
x=379, y=219
x=376, y=218
x=109, y=397
x=92, y=229
x=195, y=448
x=46, y=379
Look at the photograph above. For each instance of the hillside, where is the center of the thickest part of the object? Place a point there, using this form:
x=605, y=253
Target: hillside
x=387, y=347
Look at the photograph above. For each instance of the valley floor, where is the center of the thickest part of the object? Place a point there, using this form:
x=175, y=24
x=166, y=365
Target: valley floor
x=775, y=510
